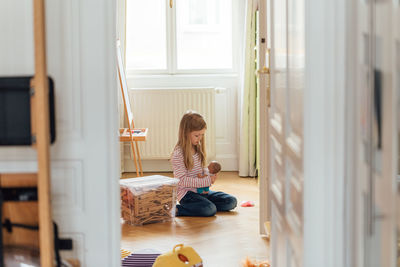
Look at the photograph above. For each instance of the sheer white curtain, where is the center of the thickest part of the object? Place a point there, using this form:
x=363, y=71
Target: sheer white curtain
x=248, y=122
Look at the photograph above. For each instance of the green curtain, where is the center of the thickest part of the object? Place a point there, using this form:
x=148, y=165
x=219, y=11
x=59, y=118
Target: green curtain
x=248, y=93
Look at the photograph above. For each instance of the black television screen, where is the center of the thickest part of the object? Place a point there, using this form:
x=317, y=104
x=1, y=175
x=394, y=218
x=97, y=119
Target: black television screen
x=15, y=111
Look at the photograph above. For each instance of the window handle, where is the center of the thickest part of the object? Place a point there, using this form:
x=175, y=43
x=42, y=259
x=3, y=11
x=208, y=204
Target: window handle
x=171, y=3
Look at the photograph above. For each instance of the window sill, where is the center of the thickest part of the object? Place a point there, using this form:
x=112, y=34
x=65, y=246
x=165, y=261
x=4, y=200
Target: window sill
x=180, y=75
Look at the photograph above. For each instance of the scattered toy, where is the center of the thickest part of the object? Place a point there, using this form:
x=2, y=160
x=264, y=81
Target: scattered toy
x=247, y=203
x=180, y=256
x=252, y=263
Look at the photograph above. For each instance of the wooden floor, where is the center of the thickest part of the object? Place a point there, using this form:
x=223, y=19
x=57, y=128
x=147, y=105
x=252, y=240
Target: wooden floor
x=223, y=240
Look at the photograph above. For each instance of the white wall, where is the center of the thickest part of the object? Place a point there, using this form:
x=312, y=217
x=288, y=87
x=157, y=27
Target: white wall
x=225, y=110
x=84, y=158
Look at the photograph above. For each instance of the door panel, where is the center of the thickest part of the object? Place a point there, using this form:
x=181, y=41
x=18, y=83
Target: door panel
x=286, y=134
x=363, y=131
x=296, y=81
x=396, y=83
x=382, y=138
x=278, y=64
x=278, y=238
x=277, y=173
x=377, y=132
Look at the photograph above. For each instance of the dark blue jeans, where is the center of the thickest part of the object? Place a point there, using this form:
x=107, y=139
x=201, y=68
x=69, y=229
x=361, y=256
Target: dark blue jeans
x=205, y=205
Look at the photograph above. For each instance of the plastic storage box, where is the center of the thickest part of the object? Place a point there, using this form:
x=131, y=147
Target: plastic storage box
x=148, y=199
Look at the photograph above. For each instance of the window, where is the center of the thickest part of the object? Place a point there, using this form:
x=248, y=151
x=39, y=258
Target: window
x=194, y=36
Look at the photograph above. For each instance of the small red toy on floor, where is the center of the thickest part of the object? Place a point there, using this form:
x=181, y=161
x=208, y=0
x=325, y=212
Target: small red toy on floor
x=247, y=203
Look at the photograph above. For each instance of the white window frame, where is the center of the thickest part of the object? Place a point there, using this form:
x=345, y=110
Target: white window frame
x=171, y=69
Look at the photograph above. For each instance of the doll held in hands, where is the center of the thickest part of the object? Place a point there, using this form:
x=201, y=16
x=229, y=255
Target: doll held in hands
x=214, y=167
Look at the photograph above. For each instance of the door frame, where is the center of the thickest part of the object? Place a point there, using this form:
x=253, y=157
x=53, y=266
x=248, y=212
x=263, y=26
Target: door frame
x=264, y=192
x=324, y=132
x=351, y=223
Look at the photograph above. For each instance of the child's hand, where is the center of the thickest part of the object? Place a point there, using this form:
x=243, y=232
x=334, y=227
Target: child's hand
x=213, y=178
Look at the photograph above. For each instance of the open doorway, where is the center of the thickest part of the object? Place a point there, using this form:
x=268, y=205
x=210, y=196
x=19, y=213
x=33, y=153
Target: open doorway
x=206, y=80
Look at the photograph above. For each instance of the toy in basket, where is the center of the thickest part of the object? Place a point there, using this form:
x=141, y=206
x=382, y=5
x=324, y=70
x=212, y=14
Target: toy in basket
x=148, y=199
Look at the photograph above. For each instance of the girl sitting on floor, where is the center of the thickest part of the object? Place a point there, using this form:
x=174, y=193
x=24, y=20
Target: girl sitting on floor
x=188, y=161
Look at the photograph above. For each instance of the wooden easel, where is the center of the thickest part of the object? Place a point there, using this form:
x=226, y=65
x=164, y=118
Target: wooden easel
x=34, y=213
x=40, y=129
x=129, y=134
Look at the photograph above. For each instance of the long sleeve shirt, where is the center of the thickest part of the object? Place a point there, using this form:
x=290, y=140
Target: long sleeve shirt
x=188, y=180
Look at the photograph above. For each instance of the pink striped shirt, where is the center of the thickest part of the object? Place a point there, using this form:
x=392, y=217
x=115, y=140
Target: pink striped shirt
x=188, y=180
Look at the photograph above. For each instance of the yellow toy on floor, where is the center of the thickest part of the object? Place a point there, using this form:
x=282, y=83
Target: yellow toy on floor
x=180, y=256
x=125, y=253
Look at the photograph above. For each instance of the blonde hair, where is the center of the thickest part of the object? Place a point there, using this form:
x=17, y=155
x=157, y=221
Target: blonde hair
x=190, y=122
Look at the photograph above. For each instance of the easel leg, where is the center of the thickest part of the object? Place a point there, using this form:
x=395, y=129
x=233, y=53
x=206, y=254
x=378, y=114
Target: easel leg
x=139, y=159
x=41, y=113
x=134, y=159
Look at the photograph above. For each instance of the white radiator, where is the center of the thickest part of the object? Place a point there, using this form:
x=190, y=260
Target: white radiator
x=161, y=110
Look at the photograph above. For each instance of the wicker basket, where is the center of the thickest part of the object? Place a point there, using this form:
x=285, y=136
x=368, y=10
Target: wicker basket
x=148, y=199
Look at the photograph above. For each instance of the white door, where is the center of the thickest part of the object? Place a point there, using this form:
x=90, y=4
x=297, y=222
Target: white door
x=84, y=157
x=286, y=131
x=377, y=134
